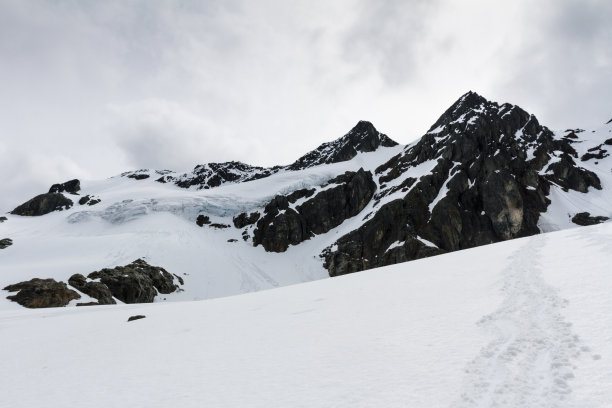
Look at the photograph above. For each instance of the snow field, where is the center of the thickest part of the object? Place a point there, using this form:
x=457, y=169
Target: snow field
x=520, y=323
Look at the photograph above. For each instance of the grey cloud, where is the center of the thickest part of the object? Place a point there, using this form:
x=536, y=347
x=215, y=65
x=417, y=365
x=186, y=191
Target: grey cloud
x=563, y=68
x=162, y=134
x=387, y=36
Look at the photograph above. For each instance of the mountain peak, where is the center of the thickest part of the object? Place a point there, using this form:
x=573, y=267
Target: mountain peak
x=362, y=138
x=467, y=102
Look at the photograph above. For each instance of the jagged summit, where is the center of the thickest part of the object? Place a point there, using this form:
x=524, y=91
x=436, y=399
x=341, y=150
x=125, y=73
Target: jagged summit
x=362, y=138
x=483, y=173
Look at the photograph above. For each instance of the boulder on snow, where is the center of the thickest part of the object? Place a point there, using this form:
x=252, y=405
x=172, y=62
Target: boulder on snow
x=89, y=200
x=43, y=204
x=135, y=317
x=242, y=220
x=40, y=293
x=5, y=242
x=202, y=219
x=585, y=218
x=137, y=282
x=71, y=186
x=96, y=290
x=2, y=219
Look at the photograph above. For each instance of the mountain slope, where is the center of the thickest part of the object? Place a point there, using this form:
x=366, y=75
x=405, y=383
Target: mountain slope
x=483, y=173
x=490, y=169
x=527, y=325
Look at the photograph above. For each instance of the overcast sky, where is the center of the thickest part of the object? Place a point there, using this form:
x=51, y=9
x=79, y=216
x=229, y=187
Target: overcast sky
x=89, y=89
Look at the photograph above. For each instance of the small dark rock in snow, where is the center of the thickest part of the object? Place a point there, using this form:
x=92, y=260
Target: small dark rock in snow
x=202, y=219
x=138, y=176
x=71, y=187
x=219, y=226
x=2, y=219
x=131, y=318
x=6, y=242
x=585, y=218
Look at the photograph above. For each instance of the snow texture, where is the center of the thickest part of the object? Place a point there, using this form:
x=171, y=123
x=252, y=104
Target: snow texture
x=527, y=325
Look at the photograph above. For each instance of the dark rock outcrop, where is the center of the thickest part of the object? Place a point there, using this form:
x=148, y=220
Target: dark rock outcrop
x=205, y=176
x=202, y=219
x=2, y=219
x=361, y=139
x=242, y=220
x=137, y=282
x=96, y=290
x=43, y=204
x=282, y=225
x=136, y=317
x=72, y=187
x=597, y=152
x=491, y=172
x=89, y=200
x=585, y=218
x=40, y=293
x=5, y=242
x=138, y=176
x=219, y=226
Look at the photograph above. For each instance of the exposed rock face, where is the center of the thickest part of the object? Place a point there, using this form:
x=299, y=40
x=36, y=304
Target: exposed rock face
x=205, y=176
x=39, y=293
x=362, y=138
x=286, y=223
x=72, y=187
x=96, y=290
x=136, y=317
x=242, y=220
x=137, y=282
x=2, y=219
x=43, y=204
x=5, y=242
x=491, y=171
x=585, y=218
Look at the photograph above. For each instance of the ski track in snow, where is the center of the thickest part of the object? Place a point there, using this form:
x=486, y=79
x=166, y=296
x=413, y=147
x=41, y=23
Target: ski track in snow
x=530, y=362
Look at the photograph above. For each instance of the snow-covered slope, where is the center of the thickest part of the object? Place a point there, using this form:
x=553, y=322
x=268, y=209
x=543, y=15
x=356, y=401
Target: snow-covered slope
x=527, y=325
x=156, y=222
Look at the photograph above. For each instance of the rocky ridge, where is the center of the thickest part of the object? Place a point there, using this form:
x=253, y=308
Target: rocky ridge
x=362, y=138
